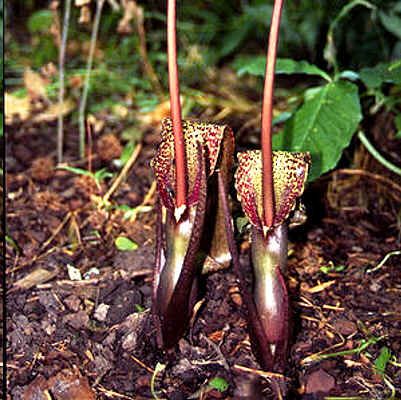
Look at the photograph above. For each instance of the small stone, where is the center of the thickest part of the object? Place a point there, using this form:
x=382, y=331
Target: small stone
x=48, y=327
x=74, y=273
x=235, y=295
x=69, y=384
x=129, y=341
x=101, y=312
x=319, y=381
x=345, y=327
x=374, y=287
x=72, y=302
x=78, y=320
x=91, y=273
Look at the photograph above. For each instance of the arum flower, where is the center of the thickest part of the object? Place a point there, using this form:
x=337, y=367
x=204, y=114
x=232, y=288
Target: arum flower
x=208, y=148
x=268, y=304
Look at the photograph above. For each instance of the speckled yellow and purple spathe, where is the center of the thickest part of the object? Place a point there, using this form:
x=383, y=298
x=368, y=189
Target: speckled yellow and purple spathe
x=290, y=171
x=209, y=136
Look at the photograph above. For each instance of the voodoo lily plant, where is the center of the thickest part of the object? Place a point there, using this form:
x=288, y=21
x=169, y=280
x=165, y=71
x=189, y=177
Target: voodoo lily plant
x=268, y=185
x=186, y=164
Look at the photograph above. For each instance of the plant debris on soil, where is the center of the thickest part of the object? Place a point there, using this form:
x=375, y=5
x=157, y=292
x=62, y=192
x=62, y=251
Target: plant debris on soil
x=79, y=321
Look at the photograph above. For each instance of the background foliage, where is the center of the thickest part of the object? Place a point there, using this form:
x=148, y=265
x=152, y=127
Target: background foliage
x=343, y=58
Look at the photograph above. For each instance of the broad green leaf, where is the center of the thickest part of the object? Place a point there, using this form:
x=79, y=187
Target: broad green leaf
x=219, y=384
x=234, y=38
x=125, y=244
x=284, y=116
x=40, y=21
x=382, y=360
x=392, y=22
x=256, y=66
x=374, y=77
x=323, y=125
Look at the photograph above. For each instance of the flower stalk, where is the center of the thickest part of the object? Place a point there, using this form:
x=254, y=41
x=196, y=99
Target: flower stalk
x=175, y=105
x=267, y=118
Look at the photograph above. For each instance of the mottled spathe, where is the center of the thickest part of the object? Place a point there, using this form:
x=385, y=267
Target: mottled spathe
x=212, y=138
x=290, y=171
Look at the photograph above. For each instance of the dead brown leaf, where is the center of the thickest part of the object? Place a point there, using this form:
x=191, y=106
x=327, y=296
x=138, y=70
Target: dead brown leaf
x=130, y=9
x=66, y=385
x=85, y=15
x=154, y=117
x=35, y=85
x=80, y=3
x=16, y=108
x=36, y=277
x=52, y=112
x=96, y=124
x=320, y=287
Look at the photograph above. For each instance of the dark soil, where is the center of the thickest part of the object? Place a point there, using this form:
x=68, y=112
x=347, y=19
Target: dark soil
x=96, y=335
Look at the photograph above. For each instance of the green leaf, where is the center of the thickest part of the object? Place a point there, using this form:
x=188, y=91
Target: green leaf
x=234, y=38
x=256, y=66
x=125, y=244
x=323, y=125
x=391, y=22
x=147, y=104
x=326, y=269
x=102, y=174
x=374, y=77
x=40, y=21
x=139, y=308
x=397, y=122
x=132, y=134
x=349, y=74
x=219, y=384
x=284, y=116
x=382, y=360
x=241, y=223
x=78, y=171
x=126, y=153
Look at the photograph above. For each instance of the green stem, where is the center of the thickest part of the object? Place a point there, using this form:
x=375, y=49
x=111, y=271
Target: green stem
x=376, y=155
x=63, y=45
x=82, y=105
x=330, y=49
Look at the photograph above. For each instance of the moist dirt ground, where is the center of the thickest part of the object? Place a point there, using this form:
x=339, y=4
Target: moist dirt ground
x=78, y=309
